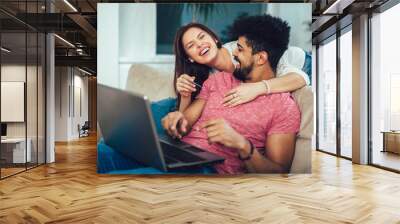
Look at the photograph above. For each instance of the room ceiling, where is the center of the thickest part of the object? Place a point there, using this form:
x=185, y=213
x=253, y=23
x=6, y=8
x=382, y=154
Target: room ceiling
x=76, y=22
x=327, y=14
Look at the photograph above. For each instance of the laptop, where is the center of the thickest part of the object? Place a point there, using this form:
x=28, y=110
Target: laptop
x=127, y=125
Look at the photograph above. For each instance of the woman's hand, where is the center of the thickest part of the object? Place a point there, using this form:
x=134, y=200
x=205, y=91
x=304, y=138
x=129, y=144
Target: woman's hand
x=244, y=93
x=185, y=85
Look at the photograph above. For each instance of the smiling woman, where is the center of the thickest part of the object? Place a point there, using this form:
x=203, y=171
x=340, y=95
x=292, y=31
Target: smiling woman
x=199, y=45
x=191, y=42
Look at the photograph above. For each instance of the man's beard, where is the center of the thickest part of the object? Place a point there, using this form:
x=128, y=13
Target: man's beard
x=243, y=73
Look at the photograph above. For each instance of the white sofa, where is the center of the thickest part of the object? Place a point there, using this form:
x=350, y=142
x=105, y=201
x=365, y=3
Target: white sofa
x=157, y=84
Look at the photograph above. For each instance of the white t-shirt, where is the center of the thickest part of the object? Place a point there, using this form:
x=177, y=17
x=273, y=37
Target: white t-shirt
x=292, y=60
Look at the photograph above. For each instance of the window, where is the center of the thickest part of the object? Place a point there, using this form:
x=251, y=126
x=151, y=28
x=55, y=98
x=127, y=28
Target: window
x=385, y=87
x=327, y=96
x=394, y=101
x=346, y=94
x=22, y=65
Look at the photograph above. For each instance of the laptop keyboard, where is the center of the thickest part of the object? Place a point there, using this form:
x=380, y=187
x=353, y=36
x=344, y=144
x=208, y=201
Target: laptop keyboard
x=171, y=153
x=178, y=143
x=171, y=141
x=193, y=149
x=169, y=160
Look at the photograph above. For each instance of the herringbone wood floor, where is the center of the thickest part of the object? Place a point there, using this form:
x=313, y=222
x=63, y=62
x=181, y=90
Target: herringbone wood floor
x=70, y=191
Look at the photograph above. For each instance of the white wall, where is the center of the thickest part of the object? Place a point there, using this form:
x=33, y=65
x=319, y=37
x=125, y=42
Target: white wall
x=14, y=73
x=137, y=31
x=61, y=82
x=134, y=48
x=80, y=83
x=68, y=82
x=33, y=127
x=117, y=53
x=108, y=44
x=17, y=73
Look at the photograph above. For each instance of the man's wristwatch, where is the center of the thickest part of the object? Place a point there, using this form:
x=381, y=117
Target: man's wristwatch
x=249, y=155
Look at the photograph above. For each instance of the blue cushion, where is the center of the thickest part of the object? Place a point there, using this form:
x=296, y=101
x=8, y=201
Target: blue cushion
x=160, y=109
x=307, y=68
x=110, y=161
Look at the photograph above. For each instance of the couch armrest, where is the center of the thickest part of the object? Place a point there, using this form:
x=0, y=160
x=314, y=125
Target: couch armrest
x=305, y=100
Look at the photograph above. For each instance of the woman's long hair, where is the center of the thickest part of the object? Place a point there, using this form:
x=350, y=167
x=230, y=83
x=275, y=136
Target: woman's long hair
x=182, y=63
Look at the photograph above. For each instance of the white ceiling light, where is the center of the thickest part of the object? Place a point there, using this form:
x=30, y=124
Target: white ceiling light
x=70, y=5
x=5, y=49
x=65, y=41
x=86, y=72
x=338, y=6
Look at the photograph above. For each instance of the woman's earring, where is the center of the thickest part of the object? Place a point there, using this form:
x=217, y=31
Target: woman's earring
x=191, y=60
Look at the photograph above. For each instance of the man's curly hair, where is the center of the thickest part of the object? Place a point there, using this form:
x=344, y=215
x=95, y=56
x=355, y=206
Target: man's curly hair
x=263, y=33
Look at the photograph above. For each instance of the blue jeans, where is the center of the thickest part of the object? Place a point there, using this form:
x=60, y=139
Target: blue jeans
x=110, y=161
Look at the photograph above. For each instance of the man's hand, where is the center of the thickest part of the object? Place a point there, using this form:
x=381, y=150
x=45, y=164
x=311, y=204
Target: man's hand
x=219, y=131
x=175, y=124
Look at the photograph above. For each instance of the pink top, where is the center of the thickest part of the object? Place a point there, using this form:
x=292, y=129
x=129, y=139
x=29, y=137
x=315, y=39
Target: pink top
x=255, y=120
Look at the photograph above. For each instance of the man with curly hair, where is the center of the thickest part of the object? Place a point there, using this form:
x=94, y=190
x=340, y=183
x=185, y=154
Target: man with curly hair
x=258, y=136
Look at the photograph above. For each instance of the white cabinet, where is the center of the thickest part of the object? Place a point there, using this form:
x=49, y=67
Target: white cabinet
x=17, y=145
